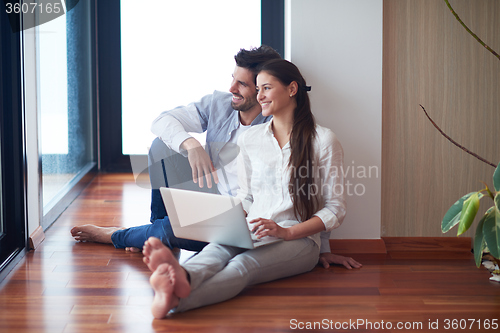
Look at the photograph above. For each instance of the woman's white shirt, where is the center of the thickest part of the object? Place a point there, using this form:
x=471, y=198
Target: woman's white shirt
x=264, y=175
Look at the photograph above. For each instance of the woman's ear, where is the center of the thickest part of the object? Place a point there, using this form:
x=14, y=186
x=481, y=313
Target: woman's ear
x=292, y=88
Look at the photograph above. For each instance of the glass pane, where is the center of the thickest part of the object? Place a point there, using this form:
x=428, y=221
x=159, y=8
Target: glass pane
x=65, y=97
x=177, y=53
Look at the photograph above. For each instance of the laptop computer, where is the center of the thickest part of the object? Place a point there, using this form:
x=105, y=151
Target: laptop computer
x=211, y=218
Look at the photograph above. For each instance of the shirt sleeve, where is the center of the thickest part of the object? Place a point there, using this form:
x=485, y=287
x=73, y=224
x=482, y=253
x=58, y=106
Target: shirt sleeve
x=331, y=159
x=244, y=192
x=172, y=126
x=325, y=242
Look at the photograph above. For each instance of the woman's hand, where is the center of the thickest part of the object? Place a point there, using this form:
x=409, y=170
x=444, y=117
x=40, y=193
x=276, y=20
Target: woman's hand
x=325, y=259
x=265, y=227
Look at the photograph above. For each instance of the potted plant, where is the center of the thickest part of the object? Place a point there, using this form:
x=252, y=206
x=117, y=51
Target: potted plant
x=487, y=237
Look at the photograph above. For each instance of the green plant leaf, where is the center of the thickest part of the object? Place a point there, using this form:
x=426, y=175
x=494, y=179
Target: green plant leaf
x=497, y=202
x=491, y=231
x=452, y=216
x=469, y=211
x=496, y=178
x=479, y=242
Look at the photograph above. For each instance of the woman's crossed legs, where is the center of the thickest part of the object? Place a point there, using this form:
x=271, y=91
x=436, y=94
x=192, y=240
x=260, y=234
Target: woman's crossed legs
x=220, y=272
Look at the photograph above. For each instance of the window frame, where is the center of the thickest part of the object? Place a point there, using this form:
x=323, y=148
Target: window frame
x=13, y=244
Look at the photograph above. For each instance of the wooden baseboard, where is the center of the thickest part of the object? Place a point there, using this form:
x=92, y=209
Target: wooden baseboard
x=423, y=244
x=401, y=244
x=347, y=246
x=36, y=238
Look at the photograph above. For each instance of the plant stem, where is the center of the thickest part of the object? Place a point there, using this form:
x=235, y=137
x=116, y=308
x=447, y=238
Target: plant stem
x=470, y=32
x=487, y=189
x=456, y=143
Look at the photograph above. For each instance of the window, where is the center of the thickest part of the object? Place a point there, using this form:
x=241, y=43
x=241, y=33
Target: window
x=148, y=53
x=66, y=109
x=162, y=69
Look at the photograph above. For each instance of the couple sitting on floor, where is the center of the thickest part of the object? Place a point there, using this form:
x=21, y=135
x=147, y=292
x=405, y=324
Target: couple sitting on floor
x=260, y=139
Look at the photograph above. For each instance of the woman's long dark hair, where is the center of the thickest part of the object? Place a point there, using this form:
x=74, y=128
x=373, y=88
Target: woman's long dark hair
x=305, y=203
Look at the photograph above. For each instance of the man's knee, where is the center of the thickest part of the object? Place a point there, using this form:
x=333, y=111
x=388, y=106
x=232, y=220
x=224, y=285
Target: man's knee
x=158, y=151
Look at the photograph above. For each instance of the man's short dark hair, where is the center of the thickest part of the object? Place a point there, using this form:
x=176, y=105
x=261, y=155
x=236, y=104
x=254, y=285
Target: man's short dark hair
x=253, y=58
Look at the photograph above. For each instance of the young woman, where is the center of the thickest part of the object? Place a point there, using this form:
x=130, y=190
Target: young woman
x=291, y=186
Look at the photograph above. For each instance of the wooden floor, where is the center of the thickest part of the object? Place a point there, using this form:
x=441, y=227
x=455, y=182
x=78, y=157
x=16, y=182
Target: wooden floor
x=66, y=286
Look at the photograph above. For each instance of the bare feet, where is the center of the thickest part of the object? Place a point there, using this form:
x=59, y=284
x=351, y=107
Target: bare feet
x=132, y=249
x=163, y=282
x=176, y=252
x=156, y=253
x=169, y=280
x=93, y=233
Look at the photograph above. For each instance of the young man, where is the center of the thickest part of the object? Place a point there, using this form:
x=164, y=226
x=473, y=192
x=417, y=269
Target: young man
x=178, y=160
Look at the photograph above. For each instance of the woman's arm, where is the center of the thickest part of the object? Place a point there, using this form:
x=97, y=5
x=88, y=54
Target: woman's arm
x=265, y=227
x=331, y=173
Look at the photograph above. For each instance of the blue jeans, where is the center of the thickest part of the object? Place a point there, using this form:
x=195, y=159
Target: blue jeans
x=157, y=177
x=163, y=163
x=161, y=228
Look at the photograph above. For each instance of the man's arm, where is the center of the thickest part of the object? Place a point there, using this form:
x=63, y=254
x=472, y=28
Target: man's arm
x=200, y=162
x=173, y=128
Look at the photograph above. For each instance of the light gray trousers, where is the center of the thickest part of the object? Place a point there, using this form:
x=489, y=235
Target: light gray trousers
x=220, y=272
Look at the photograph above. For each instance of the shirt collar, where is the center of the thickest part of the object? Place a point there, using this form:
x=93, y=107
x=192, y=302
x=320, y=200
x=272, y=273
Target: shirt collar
x=269, y=131
x=269, y=127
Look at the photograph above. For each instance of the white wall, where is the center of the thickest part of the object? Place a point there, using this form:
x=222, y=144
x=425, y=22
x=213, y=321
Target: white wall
x=337, y=45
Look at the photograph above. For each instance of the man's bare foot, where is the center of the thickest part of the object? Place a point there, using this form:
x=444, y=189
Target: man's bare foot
x=93, y=233
x=175, y=251
x=132, y=249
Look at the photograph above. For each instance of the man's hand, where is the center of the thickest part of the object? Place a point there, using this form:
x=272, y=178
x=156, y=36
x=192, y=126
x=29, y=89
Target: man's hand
x=200, y=162
x=326, y=259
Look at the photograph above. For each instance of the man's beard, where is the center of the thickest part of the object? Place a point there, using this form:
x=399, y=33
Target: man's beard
x=245, y=106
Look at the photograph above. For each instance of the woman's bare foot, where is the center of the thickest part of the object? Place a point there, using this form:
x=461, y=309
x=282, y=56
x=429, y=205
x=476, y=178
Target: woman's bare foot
x=163, y=281
x=156, y=253
x=169, y=280
x=93, y=233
